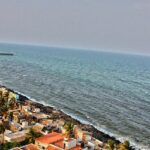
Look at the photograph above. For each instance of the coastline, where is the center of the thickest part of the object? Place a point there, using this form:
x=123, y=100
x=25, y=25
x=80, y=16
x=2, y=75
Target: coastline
x=59, y=114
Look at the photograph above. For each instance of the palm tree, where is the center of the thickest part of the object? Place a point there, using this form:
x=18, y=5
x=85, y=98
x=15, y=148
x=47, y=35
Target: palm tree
x=69, y=128
x=2, y=131
x=12, y=103
x=111, y=144
x=126, y=144
x=5, y=95
x=4, y=109
x=32, y=135
x=122, y=147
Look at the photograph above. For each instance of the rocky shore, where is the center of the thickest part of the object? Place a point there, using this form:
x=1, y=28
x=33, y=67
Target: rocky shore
x=58, y=114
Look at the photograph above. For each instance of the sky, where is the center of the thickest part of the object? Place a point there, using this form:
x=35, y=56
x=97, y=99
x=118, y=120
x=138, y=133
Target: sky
x=111, y=25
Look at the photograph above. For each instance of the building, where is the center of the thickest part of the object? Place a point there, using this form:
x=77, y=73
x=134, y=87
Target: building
x=46, y=122
x=16, y=115
x=30, y=147
x=26, y=108
x=36, y=110
x=53, y=147
x=27, y=147
x=56, y=141
x=44, y=141
x=82, y=135
x=24, y=124
x=38, y=127
x=15, y=137
x=68, y=143
x=15, y=127
x=39, y=116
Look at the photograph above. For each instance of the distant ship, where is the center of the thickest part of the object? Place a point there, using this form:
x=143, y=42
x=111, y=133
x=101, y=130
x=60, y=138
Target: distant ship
x=6, y=54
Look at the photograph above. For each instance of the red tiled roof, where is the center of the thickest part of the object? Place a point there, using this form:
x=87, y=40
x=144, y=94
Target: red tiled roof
x=31, y=147
x=16, y=148
x=59, y=144
x=51, y=147
x=50, y=138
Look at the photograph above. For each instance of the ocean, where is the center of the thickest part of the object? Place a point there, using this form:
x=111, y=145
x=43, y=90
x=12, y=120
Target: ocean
x=108, y=90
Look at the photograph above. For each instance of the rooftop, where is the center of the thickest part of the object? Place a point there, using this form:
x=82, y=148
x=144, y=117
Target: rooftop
x=59, y=144
x=16, y=134
x=39, y=115
x=16, y=148
x=30, y=147
x=50, y=138
x=52, y=147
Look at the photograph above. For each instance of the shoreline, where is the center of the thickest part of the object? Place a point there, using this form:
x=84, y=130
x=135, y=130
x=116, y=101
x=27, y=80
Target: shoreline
x=60, y=114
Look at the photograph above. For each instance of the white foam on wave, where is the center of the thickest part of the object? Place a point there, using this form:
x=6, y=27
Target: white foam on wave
x=34, y=100
x=121, y=138
x=77, y=118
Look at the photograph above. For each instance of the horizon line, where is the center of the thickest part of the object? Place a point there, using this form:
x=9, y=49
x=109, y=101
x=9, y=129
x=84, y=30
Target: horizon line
x=108, y=50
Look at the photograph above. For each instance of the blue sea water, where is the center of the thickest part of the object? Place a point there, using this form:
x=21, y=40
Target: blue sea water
x=109, y=90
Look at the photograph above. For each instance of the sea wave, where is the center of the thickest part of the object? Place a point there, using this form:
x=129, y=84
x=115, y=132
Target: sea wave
x=137, y=146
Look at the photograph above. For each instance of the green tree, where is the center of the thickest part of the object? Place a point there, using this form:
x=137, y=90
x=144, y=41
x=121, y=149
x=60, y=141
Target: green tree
x=4, y=103
x=4, y=109
x=126, y=144
x=5, y=95
x=32, y=135
x=8, y=145
x=2, y=131
x=111, y=144
x=69, y=128
x=12, y=103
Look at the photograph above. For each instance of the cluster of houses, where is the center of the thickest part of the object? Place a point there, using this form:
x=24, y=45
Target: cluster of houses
x=26, y=117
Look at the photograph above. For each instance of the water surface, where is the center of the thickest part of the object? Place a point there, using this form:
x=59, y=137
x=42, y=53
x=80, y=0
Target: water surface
x=111, y=91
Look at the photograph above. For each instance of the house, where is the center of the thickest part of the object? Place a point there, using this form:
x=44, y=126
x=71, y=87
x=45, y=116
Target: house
x=66, y=144
x=26, y=108
x=60, y=123
x=30, y=147
x=16, y=116
x=46, y=122
x=56, y=141
x=70, y=143
x=39, y=116
x=8, y=131
x=97, y=143
x=14, y=127
x=53, y=147
x=82, y=135
x=38, y=127
x=24, y=124
x=91, y=145
x=44, y=141
x=36, y=110
x=15, y=137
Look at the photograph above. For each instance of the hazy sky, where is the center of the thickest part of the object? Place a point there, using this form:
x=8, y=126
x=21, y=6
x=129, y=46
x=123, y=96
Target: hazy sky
x=122, y=25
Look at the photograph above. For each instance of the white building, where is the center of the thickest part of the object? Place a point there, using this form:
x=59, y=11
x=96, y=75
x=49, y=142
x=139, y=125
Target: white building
x=70, y=143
